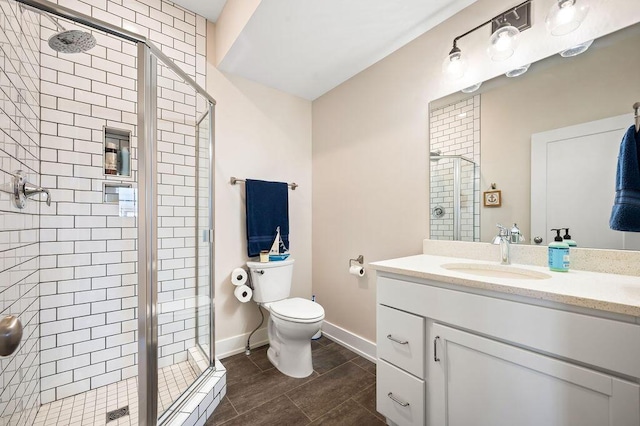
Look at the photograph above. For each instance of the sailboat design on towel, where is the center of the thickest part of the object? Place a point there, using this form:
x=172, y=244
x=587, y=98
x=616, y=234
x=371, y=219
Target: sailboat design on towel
x=278, y=250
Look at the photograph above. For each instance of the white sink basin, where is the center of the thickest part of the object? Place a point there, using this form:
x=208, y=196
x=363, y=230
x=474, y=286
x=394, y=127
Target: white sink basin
x=496, y=271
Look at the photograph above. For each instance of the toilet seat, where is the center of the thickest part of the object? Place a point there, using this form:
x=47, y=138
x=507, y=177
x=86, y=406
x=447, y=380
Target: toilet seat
x=296, y=309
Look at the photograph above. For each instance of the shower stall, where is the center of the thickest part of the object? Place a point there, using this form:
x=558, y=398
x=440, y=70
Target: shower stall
x=454, y=198
x=112, y=278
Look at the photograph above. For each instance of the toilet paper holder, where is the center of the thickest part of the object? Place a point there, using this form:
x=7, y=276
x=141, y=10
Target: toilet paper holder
x=359, y=259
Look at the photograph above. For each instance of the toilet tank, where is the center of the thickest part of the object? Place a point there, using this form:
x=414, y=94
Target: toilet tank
x=271, y=280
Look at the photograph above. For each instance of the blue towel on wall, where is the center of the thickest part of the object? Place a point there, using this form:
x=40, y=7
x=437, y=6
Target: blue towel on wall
x=625, y=215
x=267, y=208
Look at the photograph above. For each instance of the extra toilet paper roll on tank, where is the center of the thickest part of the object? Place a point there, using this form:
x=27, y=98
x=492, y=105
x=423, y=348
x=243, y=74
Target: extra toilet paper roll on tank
x=358, y=271
x=243, y=293
x=239, y=276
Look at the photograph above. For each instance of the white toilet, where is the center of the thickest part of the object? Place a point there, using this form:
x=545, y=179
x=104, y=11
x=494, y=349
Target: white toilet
x=292, y=321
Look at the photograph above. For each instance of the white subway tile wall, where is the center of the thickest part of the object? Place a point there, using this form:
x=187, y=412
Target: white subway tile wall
x=89, y=258
x=455, y=130
x=19, y=228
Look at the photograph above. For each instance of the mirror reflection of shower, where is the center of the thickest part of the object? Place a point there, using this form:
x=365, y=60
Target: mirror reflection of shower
x=65, y=41
x=453, y=198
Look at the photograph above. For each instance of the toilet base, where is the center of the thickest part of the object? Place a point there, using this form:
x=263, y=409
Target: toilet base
x=297, y=364
x=292, y=358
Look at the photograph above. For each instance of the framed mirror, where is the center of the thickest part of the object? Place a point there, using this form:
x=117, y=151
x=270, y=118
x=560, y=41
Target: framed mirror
x=575, y=110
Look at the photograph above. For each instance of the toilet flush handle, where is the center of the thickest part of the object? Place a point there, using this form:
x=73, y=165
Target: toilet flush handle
x=261, y=272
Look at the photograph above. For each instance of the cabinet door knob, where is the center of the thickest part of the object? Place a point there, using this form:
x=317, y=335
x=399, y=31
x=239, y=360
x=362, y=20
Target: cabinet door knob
x=435, y=349
x=396, y=400
x=402, y=342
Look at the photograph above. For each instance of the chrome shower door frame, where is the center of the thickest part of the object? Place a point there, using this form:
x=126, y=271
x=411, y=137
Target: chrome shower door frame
x=457, y=210
x=212, y=217
x=147, y=238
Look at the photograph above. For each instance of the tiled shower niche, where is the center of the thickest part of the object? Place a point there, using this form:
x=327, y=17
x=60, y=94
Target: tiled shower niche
x=117, y=153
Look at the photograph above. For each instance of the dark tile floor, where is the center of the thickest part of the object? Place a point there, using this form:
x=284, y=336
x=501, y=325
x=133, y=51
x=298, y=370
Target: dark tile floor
x=341, y=391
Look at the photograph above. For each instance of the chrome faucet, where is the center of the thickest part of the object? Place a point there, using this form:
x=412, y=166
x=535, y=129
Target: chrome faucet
x=503, y=238
x=31, y=190
x=22, y=190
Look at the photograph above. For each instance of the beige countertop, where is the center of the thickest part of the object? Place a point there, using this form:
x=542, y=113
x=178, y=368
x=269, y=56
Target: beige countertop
x=594, y=290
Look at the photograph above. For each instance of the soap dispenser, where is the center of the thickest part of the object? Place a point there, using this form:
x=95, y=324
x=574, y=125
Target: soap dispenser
x=558, y=253
x=567, y=238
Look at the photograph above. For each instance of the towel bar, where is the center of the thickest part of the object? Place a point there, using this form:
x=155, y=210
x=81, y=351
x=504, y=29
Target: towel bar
x=233, y=180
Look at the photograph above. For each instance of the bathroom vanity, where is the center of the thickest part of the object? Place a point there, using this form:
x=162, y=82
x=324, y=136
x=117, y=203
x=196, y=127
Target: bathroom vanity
x=464, y=342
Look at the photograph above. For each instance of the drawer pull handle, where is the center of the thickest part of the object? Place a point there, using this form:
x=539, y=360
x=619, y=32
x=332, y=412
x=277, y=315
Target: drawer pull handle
x=402, y=342
x=397, y=401
x=435, y=349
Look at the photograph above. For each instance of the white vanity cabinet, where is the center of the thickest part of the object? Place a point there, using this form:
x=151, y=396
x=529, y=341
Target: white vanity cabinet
x=488, y=360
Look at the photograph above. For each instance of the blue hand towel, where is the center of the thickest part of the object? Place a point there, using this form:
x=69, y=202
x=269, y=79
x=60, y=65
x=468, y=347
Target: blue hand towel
x=267, y=208
x=625, y=215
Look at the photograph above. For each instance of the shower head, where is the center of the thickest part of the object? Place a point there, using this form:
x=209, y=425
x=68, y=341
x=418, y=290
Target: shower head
x=72, y=41
x=65, y=41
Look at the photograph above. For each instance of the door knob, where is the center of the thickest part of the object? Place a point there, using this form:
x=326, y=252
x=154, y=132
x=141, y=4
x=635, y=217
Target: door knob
x=10, y=335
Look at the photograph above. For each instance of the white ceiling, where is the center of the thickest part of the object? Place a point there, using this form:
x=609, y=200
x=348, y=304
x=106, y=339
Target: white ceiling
x=210, y=9
x=308, y=47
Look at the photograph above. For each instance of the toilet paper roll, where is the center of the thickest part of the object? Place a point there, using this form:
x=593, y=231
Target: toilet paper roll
x=358, y=271
x=239, y=276
x=243, y=293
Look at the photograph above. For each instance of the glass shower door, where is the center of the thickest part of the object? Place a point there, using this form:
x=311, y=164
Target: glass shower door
x=184, y=302
x=204, y=226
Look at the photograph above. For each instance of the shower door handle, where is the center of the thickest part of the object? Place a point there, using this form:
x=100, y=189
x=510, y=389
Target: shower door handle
x=10, y=335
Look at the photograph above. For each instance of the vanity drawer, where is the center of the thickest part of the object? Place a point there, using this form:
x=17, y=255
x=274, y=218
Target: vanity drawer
x=399, y=396
x=401, y=339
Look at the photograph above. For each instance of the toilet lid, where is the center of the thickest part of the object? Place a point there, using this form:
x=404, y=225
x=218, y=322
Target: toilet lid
x=297, y=309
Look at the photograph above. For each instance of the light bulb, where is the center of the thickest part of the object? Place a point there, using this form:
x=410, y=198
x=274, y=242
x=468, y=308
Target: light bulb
x=503, y=42
x=566, y=16
x=454, y=65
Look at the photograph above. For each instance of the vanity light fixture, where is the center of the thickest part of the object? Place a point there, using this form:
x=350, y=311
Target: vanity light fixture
x=505, y=31
x=576, y=50
x=566, y=16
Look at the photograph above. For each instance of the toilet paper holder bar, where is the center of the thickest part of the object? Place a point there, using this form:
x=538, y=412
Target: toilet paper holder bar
x=359, y=259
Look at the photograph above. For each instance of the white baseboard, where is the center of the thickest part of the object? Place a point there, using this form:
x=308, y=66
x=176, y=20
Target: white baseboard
x=357, y=344
x=236, y=344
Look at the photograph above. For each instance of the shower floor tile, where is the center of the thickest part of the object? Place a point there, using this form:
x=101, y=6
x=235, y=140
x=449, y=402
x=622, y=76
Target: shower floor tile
x=90, y=408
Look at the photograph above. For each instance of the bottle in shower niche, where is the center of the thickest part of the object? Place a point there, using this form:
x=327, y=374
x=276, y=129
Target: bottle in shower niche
x=110, y=158
x=124, y=161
